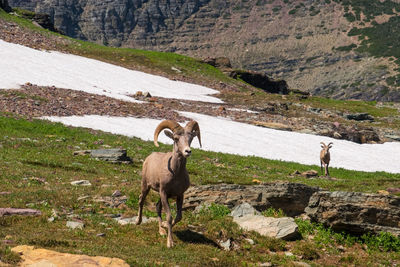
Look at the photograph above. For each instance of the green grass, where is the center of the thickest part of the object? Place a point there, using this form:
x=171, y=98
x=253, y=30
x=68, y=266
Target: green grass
x=351, y=106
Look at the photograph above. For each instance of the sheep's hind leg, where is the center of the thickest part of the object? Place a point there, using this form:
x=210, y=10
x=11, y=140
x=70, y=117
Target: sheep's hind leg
x=142, y=197
x=165, y=204
x=161, y=230
x=179, y=203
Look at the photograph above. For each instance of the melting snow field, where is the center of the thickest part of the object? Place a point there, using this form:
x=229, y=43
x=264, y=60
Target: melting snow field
x=221, y=135
x=20, y=64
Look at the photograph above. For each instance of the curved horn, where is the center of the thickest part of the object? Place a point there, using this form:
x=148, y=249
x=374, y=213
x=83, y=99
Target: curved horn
x=330, y=144
x=193, y=126
x=172, y=125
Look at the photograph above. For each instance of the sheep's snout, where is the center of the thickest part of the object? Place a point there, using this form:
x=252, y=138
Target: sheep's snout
x=187, y=152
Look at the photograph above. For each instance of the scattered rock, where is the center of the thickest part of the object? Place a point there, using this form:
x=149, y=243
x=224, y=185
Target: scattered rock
x=81, y=183
x=5, y=193
x=132, y=220
x=309, y=174
x=22, y=212
x=112, y=155
x=243, y=210
x=43, y=257
x=225, y=245
x=251, y=241
x=288, y=254
x=359, y=117
x=75, y=225
x=175, y=69
x=393, y=137
x=112, y=202
x=116, y=193
x=283, y=228
x=83, y=198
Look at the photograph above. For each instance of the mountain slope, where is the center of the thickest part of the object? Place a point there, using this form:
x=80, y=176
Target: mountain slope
x=306, y=43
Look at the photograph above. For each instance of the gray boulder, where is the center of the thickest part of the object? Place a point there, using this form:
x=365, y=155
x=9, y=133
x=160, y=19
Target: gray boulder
x=243, y=210
x=283, y=228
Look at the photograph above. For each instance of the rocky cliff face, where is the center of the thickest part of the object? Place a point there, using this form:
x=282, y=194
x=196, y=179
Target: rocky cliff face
x=295, y=41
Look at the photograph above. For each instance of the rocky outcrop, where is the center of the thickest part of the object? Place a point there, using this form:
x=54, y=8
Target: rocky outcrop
x=4, y=5
x=261, y=81
x=292, y=198
x=44, y=257
x=356, y=213
x=343, y=211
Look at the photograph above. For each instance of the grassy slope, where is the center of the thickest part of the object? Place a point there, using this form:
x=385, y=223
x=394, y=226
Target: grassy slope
x=47, y=154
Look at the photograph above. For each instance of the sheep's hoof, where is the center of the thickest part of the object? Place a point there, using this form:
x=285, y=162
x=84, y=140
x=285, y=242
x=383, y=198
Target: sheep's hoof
x=164, y=224
x=170, y=244
x=162, y=231
x=138, y=221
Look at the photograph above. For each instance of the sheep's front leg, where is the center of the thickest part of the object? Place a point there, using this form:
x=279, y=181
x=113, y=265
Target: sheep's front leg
x=327, y=169
x=161, y=230
x=165, y=204
x=322, y=170
x=179, y=203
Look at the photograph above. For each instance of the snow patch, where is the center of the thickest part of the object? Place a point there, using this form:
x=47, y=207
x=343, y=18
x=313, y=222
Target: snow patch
x=20, y=64
x=222, y=135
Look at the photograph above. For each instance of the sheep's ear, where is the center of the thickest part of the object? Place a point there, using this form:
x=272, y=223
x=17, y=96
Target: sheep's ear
x=322, y=146
x=169, y=134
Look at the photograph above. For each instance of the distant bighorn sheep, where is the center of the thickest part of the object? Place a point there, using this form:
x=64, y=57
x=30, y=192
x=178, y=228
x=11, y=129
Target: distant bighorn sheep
x=166, y=173
x=325, y=157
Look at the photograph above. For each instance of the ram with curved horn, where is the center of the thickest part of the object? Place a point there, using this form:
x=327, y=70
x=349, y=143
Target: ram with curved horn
x=166, y=173
x=325, y=157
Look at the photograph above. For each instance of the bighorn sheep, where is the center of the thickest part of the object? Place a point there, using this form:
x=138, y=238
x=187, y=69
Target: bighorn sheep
x=325, y=157
x=166, y=173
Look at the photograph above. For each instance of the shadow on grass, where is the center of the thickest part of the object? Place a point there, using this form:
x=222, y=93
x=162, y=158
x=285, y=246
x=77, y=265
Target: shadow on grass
x=189, y=236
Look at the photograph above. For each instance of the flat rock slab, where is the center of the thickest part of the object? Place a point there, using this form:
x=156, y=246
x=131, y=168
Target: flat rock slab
x=43, y=257
x=283, y=228
x=23, y=212
x=113, y=155
x=75, y=225
x=132, y=220
x=81, y=183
